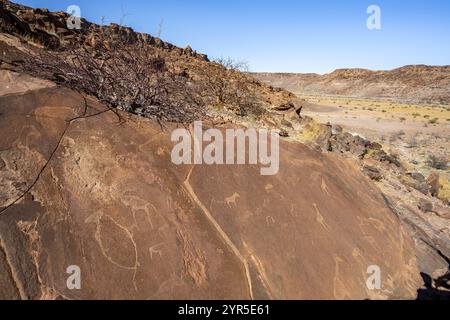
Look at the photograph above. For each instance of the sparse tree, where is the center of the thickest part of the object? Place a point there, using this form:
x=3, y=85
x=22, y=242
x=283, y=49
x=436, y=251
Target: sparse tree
x=160, y=28
x=232, y=64
x=124, y=73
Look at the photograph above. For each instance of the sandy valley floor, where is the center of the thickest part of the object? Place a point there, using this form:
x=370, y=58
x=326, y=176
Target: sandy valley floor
x=415, y=132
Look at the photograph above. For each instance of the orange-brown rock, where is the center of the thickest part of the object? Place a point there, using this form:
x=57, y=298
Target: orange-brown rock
x=79, y=188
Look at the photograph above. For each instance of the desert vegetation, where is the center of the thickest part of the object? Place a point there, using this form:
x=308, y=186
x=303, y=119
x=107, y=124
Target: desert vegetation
x=127, y=74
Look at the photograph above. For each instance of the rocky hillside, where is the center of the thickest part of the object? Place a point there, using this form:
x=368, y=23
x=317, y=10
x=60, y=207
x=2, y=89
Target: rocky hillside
x=163, y=81
x=418, y=83
x=49, y=29
x=86, y=179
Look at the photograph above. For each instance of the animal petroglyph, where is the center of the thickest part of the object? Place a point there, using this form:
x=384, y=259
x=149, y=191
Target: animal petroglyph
x=137, y=204
x=232, y=200
x=100, y=219
x=270, y=220
x=220, y=231
x=340, y=291
x=155, y=250
x=320, y=219
x=324, y=187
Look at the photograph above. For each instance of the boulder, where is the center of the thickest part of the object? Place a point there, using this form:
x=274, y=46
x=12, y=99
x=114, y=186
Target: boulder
x=372, y=172
x=425, y=205
x=417, y=181
x=83, y=190
x=285, y=107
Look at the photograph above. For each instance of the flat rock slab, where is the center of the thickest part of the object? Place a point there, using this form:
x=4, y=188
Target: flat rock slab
x=78, y=188
x=14, y=83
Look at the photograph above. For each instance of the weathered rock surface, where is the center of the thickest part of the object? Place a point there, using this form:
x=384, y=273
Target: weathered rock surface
x=373, y=173
x=79, y=189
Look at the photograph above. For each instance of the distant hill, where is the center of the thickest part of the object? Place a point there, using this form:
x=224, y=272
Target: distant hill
x=415, y=83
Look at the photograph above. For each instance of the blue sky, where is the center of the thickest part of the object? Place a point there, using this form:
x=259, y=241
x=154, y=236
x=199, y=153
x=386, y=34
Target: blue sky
x=288, y=35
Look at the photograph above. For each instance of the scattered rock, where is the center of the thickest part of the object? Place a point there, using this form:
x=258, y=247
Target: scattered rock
x=188, y=51
x=283, y=133
x=294, y=115
x=286, y=124
x=285, y=107
x=298, y=111
x=372, y=172
x=425, y=205
x=417, y=176
x=382, y=156
x=418, y=182
x=440, y=186
x=323, y=137
x=442, y=211
x=337, y=130
x=343, y=142
x=376, y=146
x=409, y=182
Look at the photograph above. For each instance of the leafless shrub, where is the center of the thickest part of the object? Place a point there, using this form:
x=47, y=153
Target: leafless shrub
x=224, y=86
x=232, y=64
x=160, y=28
x=125, y=74
x=434, y=121
x=412, y=142
x=134, y=76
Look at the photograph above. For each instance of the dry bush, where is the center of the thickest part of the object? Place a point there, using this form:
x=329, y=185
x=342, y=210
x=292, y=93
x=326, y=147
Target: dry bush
x=412, y=142
x=223, y=85
x=231, y=64
x=130, y=75
x=125, y=74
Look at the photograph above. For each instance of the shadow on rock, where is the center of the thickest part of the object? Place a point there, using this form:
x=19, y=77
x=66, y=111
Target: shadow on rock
x=435, y=289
